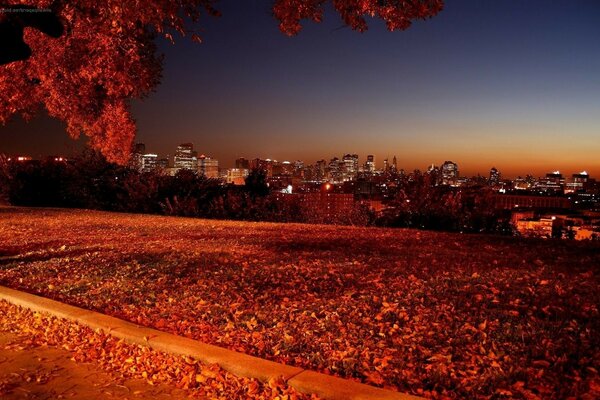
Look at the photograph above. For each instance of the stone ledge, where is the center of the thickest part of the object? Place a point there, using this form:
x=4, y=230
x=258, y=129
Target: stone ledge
x=333, y=388
x=244, y=365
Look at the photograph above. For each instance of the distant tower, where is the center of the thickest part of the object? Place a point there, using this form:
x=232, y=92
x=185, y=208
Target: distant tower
x=335, y=170
x=320, y=170
x=350, y=162
x=370, y=163
x=494, y=176
x=186, y=157
x=242, y=163
x=449, y=173
x=149, y=162
x=395, y=164
x=209, y=167
x=386, y=165
x=434, y=174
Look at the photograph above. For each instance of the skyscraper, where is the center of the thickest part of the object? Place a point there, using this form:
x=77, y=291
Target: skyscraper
x=494, y=176
x=320, y=169
x=242, y=163
x=370, y=163
x=350, y=166
x=434, y=175
x=209, y=167
x=335, y=170
x=185, y=157
x=449, y=173
x=149, y=162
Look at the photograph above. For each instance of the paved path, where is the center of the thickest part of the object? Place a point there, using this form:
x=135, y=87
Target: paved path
x=49, y=373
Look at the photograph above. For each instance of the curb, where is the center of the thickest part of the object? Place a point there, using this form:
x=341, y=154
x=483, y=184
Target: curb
x=326, y=386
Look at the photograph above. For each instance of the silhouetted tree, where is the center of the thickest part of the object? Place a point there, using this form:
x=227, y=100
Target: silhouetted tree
x=256, y=183
x=107, y=56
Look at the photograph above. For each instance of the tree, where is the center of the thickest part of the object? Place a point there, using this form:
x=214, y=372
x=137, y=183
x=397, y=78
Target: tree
x=107, y=56
x=256, y=183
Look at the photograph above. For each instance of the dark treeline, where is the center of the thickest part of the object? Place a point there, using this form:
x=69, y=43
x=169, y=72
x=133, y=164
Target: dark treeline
x=419, y=203
x=90, y=182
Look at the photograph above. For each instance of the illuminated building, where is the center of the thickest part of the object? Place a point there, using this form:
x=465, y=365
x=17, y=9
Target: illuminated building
x=494, y=176
x=394, y=164
x=449, y=173
x=370, y=164
x=286, y=168
x=510, y=201
x=149, y=162
x=185, y=157
x=209, y=167
x=577, y=182
x=265, y=165
x=434, y=175
x=237, y=176
x=327, y=202
x=350, y=167
x=299, y=169
x=521, y=184
x=162, y=163
x=542, y=227
x=320, y=169
x=335, y=170
x=553, y=182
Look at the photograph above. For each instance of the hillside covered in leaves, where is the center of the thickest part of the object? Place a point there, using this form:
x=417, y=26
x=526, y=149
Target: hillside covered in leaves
x=433, y=314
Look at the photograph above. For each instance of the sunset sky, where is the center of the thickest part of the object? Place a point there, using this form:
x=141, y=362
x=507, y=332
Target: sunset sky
x=508, y=83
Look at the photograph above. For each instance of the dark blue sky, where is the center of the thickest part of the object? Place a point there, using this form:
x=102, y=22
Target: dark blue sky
x=509, y=83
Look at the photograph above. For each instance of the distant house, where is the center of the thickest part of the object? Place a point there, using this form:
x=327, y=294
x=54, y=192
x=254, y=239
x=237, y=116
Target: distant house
x=541, y=227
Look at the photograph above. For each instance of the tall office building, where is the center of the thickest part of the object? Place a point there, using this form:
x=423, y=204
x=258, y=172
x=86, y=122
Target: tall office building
x=149, y=162
x=435, y=176
x=394, y=164
x=335, y=170
x=320, y=170
x=449, y=173
x=370, y=163
x=185, y=157
x=494, y=176
x=209, y=167
x=242, y=163
x=350, y=166
x=577, y=182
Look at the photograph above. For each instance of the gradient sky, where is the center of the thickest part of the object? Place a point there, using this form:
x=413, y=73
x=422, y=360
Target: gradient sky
x=508, y=83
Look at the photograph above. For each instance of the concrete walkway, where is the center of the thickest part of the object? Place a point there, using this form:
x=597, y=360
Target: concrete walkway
x=50, y=373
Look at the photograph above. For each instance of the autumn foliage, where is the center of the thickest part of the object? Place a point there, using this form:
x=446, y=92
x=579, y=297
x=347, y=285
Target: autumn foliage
x=123, y=360
x=107, y=57
x=436, y=314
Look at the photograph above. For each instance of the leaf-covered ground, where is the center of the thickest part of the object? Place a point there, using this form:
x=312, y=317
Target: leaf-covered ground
x=123, y=361
x=434, y=314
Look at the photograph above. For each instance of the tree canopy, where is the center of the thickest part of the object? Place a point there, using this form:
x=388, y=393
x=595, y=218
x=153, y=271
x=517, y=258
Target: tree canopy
x=107, y=55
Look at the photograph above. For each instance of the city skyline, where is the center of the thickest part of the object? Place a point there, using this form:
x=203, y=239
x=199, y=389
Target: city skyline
x=71, y=149
x=502, y=84
x=360, y=164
